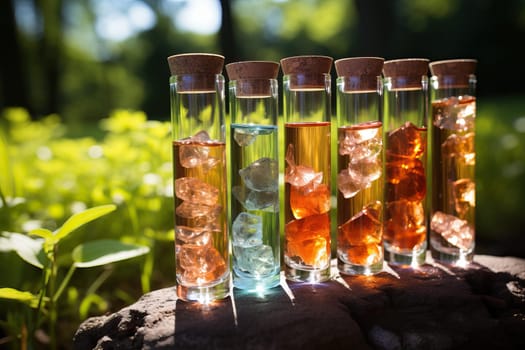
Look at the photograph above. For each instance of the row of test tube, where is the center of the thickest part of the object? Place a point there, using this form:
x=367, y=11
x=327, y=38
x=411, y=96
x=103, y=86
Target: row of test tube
x=399, y=173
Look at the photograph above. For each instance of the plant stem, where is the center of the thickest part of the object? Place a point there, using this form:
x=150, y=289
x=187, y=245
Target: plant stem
x=52, y=304
x=147, y=269
x=98, y=282
x=2, y=197
x=132, y=210
x=46, y=272
x=64, y=283
x=5, y=207
x=23, y=337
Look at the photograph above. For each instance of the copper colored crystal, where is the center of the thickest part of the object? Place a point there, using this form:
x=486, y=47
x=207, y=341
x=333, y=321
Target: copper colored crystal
x=309, y=239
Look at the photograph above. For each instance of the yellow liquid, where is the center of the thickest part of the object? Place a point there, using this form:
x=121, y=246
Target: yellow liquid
x=307, y=218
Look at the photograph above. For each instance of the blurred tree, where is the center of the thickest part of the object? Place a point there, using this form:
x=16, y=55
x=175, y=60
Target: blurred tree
x=12, y=78
x=50, y=43
x=375, y=19
x=53, y=68
x=227, y=35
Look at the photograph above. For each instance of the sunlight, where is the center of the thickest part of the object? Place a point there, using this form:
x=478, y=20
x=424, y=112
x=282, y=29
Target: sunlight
x=199, y=16
x=462, y=262
x=118, y=21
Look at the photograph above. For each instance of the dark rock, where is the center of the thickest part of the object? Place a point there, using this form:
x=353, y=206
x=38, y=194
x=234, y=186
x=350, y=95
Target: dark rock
x=434, y=307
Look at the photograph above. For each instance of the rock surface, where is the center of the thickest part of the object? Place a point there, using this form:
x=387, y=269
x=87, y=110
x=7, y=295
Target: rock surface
x=481, y=307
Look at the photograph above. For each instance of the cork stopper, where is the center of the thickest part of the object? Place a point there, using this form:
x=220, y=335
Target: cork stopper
x=195, y=63
x=454, y=73
x=252, y=78
x=252, y=70
x=197, y=70
x=406, y=73
x=311, y=69
x=361, y=73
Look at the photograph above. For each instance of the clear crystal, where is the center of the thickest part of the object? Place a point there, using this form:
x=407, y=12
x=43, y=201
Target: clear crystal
x=257, y=200
x=261, y=175
x=245, y=137
x=257, y=260
x=247, y=230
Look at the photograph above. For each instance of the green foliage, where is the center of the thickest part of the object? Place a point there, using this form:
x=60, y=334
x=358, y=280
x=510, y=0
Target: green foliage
x=418, y=12
x=105, y=251
x=28, y=249
x=28, y=298
x=43, y=252
x=50, y=180
x=500, y=167
x=58, y=176
x=322, y=27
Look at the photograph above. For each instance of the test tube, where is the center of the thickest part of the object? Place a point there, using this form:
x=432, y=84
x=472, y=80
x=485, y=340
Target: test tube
x=307, y=147
x=200, y=183
x=254, y=169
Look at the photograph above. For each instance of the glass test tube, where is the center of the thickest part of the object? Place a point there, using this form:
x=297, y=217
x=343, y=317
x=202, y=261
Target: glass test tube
x=453, y=101
x=199, y=167
x=254, y=174
x=405, y=140
x=360, y=183
x=307, y=114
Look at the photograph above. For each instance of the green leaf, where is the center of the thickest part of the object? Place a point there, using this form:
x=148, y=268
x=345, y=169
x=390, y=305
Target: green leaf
x=105, y=251
x=49, y=239
x=82, y=218
x=42, y=232
x=29, y=249
x=18, y=295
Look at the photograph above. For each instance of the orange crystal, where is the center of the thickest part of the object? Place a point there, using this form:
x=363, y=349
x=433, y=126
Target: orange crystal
x=364, y=227
x=407, y=141
x=366, y=254
x=405, y=224
x=362, y=234
x=309, y=200
x=405, y=179
x=309, y=239
x=405, y=188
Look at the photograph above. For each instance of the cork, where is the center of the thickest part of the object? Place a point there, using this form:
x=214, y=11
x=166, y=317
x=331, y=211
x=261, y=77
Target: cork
x=360, y=73
x=454, y=73
x=252, y=70
x=312, y=70
x=407, y=72
x=201, y=67
x=252, y=78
